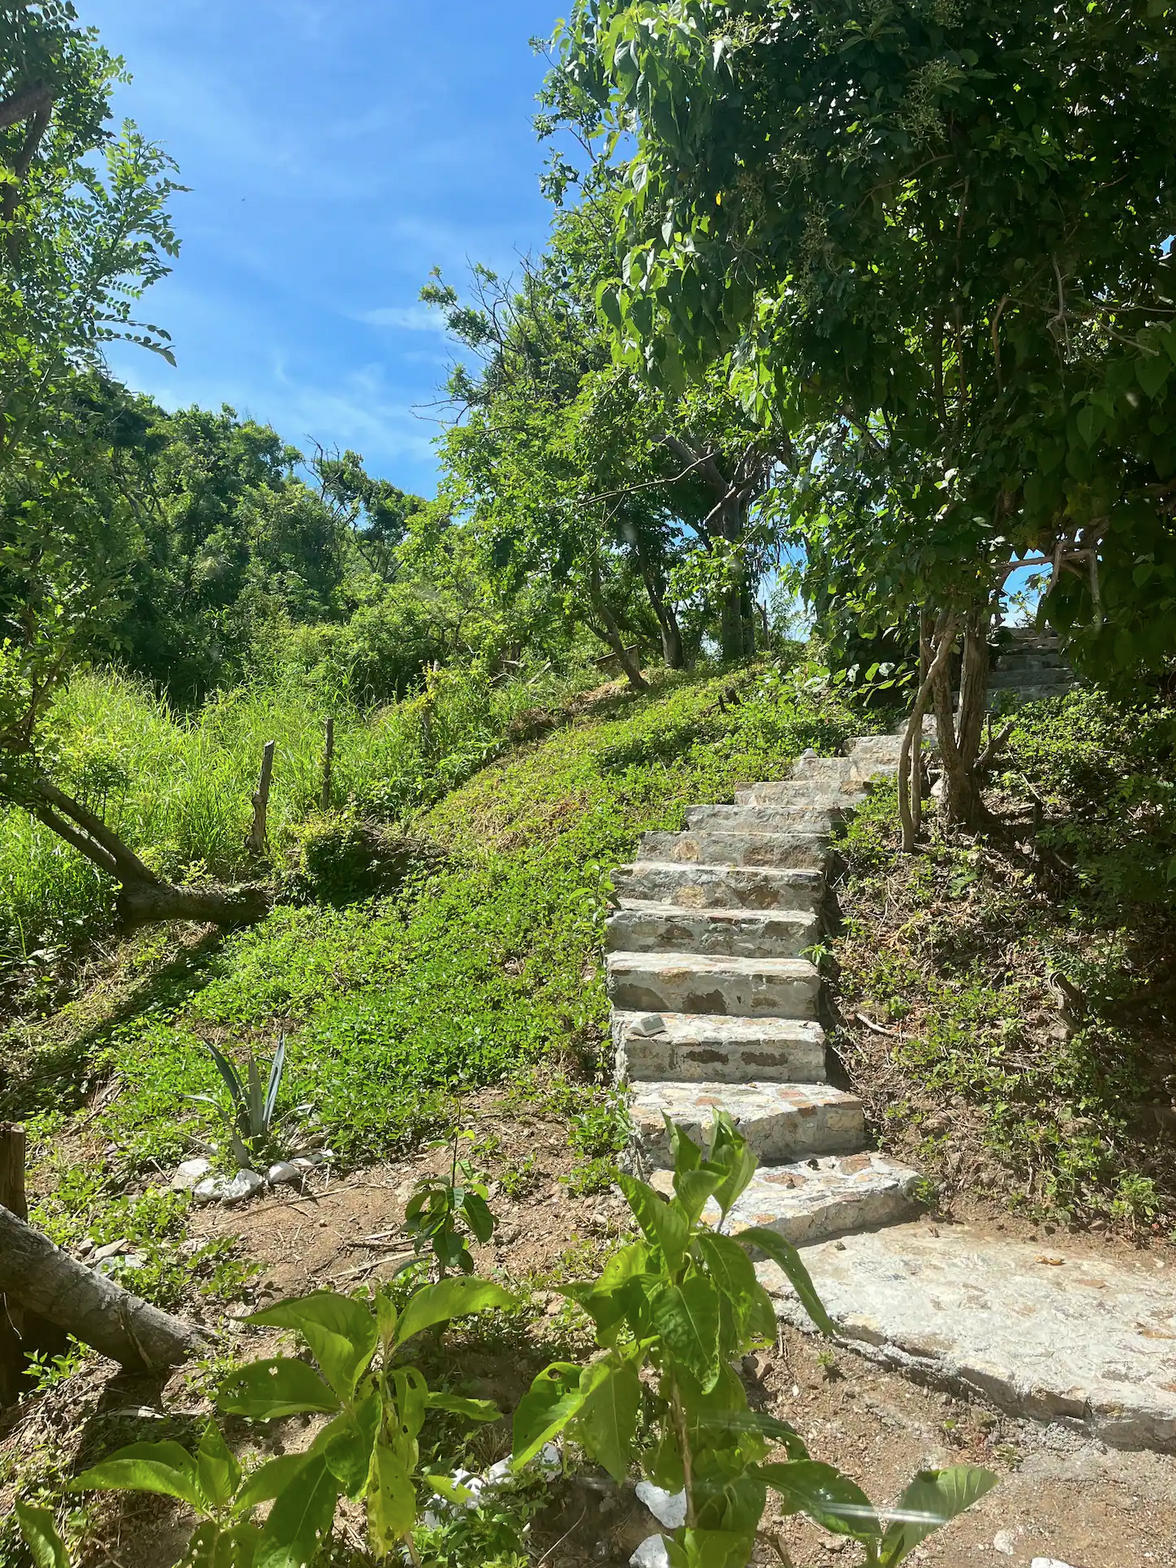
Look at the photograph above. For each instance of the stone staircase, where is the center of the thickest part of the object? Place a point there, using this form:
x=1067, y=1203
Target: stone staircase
x=715, y=1004
x=1029, y=666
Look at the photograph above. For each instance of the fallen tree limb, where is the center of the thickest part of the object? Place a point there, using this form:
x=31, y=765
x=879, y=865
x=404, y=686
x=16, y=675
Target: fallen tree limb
x=39, y=1277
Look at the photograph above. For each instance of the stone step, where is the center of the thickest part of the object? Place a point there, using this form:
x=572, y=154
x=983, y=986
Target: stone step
x=761, y=819
x=1009, y=676
x=1014, y=696
x=665, y=928
x=810, y=1200
x=1066, y=1336
x=781, y=1121
x=783, y=851
x=719, y=887
x=711, y=1048
x=1015, y=658
x=696, y=983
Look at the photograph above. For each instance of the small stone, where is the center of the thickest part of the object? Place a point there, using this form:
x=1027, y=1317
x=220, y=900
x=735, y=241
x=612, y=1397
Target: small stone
x=120, y=1265
x=1048, y=1562
x=668, y=1508
x=1005, y=1542
x=307, y=1162
x=234, y=1190
x=283, y=1171
x=650, y=1024
x=651, y=1554
x=190, y=1174
x=208, y=1191
x=85, y=1246
x=110, y=1250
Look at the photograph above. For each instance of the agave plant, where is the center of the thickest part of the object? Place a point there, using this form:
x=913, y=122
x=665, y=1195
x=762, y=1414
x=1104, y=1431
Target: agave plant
x=251, y=1123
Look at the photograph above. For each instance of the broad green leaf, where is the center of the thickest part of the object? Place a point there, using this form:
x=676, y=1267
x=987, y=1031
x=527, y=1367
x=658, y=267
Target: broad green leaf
x=763, y=1425
x=1152, y=372
x=607, y=1421
x=210, y=1546
x=732, y=1154
x=265, y=1390
x=731, y=1270
x=411, y=1393
x=391, y=1500
x=386, y=1316
x=265, y=1483
x=478, y=1216
x=710, y=1549
x=348, y=1442
x=300, y=1519
x=452, y=1298
x=445, y=1486
x=829, y=1498
x=165, y=1468
x=471, y=1409
x=340, y=1331
x=687, y=1154
x=545, y=1409
x=932, y=1498
x=217, y=1469
x=664, y=1224
x=39, y=1529
x=693, y=1188
x=786, y=1257
x=687, y=1318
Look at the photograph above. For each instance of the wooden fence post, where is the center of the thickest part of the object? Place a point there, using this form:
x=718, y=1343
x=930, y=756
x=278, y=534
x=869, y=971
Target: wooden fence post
x=255, y=843
x=328, y=759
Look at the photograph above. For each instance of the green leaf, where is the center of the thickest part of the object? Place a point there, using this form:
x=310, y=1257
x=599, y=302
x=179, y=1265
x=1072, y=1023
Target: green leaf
x=283, y=1386
x=607, y=1421
x=217, y=1469
x=39, y=1529
x=341, y=1333
x=391, y=1500
x=693, y=1188
x=664, y=1224
x=211, y=1546
x=165, y=1468
x=265, y=1483
x=731, y=1270
x=932, y=1498
x=1152, y=372
x=300, y=1519
x=732, y=1153
x=687, y=1318
x=478, y=1216
x=348, y=1442
x=445, y=1486
x=829, y=1498
x=545, y=1409
x=452, y=1298
x=471, y=1409
x=785, y=1256
x=710, y=1549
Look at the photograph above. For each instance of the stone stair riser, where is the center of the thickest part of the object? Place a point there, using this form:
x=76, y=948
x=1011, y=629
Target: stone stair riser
x=655, y=983
x=707, y=1049
x=781, y=852
x=720, y=887
x=780, y=1123
x=761, y=819
x=723, y=933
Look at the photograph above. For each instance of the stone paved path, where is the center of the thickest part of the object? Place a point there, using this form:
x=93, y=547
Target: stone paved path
x=714, y=1005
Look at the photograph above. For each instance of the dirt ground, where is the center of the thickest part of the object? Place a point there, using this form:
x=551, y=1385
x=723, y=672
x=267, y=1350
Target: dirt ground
x=1060, y=1496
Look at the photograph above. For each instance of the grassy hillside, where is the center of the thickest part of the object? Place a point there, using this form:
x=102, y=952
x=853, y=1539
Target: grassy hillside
x=391, y=1007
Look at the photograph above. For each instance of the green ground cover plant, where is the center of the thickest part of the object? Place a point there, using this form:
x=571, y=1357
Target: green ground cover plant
x=1019, y=986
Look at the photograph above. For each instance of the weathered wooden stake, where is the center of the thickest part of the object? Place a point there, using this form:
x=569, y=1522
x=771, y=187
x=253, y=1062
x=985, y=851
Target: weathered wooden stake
x=328, y=759
x=255, y=843
x=12, y=1196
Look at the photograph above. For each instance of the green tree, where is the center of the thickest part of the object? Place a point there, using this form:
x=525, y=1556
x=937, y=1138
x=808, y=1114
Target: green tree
x=938, y=237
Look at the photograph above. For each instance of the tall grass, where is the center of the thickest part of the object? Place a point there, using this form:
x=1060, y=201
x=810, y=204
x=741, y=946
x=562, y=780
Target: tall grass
x=178, y=789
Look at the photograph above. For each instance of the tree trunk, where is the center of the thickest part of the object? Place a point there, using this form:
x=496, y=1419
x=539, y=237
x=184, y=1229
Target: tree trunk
x=960, y=733
x=143, y=903
x=256, y=839
x=667, y=620
x=612, y=632
x=909, y=772
x=732, y=611
x=143, y=896
x=41, y=1278
x=328, y=762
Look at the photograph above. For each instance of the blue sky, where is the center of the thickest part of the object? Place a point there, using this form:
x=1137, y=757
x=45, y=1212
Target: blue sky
x=336, y=152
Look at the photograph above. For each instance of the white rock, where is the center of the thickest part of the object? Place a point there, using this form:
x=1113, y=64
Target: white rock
x=209, y=1190
x=283, y=1171
x=110, y=1250
x=1005, y=1541
x=652, y=1023
x=306, y=1162
x=1048, y=1562
x=651, y=1554
x=668, y=1508
x=190, y=1174
x=243, y=1185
